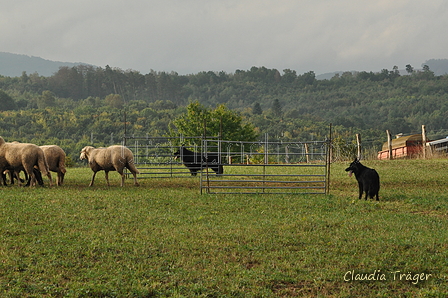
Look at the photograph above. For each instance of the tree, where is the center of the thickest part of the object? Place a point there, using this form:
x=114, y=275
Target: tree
x=256, y=110
x=198, y=119
x=289, y=76
x=47, y=99
x=409, y=69
x=309, y=78
x=394, y=73
x=6, y=102
x=115, y=101
x=277, y=108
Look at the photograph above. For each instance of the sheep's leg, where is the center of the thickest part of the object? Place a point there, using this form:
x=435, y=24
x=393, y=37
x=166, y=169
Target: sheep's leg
x=107, y=177
x=60, y=178
x=135, y=179
x=4, y=179
x=134, y=171
x=122, y=176
x=32, y=178
x=93, y=178
x=49, y=177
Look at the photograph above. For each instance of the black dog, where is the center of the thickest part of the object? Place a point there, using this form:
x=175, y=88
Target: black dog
x=368, y=179
x=193, y=161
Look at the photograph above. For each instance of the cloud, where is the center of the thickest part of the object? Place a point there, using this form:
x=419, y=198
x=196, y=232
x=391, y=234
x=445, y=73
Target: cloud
x=188, y=36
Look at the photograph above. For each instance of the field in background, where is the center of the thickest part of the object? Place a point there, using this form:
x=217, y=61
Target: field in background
x=164, y=239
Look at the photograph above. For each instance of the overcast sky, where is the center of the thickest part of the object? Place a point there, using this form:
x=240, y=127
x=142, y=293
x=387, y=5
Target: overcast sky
x=188, y=36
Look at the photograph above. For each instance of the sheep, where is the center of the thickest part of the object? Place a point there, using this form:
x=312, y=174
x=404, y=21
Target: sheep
x=23, y=157
x=55, y=157
x=113, y=158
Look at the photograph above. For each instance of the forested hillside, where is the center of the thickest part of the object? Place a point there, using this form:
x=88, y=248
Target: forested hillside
x=80, y=105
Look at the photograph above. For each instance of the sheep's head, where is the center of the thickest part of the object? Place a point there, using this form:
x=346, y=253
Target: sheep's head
x=85, y=152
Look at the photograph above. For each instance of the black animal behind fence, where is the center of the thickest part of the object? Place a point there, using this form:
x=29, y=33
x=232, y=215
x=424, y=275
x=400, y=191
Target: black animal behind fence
x=195, y=161
x=368, y=179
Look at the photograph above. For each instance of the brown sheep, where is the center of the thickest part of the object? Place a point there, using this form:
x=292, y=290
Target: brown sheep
x=113, y=158
x=23, y=157
x=55, y=157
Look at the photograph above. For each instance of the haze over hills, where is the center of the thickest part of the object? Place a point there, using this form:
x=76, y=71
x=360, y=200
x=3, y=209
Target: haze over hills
x=12, y=65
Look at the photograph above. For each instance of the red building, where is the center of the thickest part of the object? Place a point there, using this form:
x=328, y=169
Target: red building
x=408, y=146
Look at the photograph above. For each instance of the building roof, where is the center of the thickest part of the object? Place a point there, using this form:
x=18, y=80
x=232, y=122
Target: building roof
x=402, y=141
x=436, y=142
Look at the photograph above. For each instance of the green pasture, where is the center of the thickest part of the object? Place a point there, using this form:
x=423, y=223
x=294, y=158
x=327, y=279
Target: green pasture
x=164, y=239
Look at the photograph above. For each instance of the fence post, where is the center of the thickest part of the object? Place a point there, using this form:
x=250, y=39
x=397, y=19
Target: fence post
x=328, y=160
x=389, y=144
x=358, y=142
x=307, y=153
x=424, y=141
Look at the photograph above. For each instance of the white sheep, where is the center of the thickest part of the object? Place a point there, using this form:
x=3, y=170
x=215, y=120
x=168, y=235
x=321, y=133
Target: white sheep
x=113, y=158
x=23, y=157
x=55, y=157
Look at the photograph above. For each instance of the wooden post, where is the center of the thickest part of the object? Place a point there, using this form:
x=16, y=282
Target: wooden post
x=328, y=161
x=389, y=144
x=358, y=142
x=307, y=153
x=424, y=141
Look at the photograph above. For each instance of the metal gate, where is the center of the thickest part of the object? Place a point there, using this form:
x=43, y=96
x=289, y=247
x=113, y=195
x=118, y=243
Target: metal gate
x=269, y=168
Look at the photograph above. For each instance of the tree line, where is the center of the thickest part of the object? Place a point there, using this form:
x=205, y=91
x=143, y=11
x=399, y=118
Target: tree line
x=83, y=104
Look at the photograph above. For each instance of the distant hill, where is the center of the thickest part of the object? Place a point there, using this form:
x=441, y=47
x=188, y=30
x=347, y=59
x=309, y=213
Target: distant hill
x=438, y=66
x=12, y=65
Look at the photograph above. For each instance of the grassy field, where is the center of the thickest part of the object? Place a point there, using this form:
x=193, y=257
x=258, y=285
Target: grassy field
x=164, y=239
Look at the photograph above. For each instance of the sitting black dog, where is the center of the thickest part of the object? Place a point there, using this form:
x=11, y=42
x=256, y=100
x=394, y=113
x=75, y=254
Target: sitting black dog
x=194, y=161
x=368, y=179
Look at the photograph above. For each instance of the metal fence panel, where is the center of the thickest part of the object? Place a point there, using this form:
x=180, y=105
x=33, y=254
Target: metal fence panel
x=269, y=168
x=263, y=167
